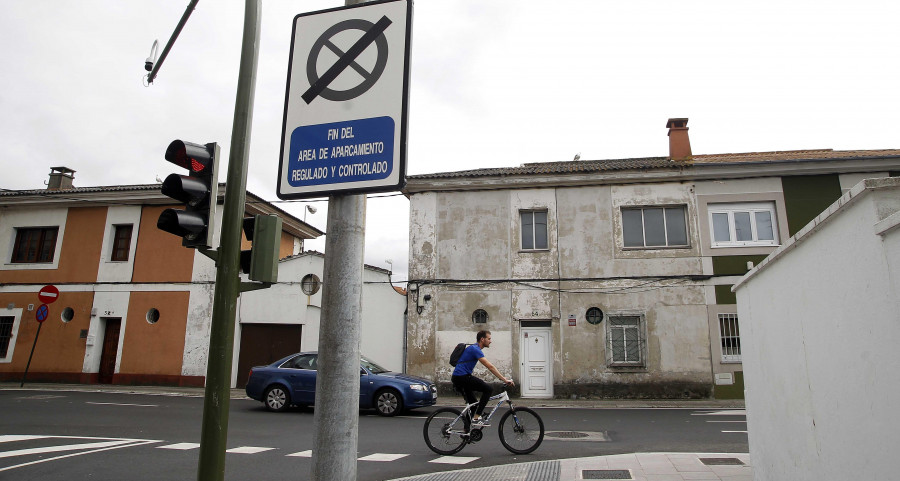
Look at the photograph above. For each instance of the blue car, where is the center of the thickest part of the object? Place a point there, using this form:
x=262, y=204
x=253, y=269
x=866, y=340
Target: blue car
x=292, y=381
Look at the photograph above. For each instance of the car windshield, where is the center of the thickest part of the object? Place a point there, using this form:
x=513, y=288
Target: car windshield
x=371, y=366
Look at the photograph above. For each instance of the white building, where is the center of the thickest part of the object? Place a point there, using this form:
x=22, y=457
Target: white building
x=283, y=319
x=820, y=325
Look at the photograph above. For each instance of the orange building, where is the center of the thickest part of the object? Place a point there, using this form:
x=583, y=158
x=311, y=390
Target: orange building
x=134, y=306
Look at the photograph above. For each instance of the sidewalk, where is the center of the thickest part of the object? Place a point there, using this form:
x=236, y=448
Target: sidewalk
x=639, y=466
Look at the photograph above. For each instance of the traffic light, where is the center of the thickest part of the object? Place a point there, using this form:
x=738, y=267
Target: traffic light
x=261, y=261
x=198, y=191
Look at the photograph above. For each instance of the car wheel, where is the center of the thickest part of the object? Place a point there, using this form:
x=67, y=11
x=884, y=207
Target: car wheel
x=388, y=402
x=277, y=398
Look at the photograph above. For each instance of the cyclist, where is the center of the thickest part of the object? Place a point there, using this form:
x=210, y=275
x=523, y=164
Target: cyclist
x=463, y=379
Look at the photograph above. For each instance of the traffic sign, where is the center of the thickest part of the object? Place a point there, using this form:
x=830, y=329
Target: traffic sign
x=345, y=109
x=42, y=313
x=48, y=294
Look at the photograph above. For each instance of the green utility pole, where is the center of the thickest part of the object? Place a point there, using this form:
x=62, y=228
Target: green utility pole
x=214, y=433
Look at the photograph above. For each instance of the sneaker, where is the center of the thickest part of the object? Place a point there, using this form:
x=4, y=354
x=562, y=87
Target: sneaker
x=480, y=423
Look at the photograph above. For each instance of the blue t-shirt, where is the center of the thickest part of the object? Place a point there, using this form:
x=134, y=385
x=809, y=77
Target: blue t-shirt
x=467, y=361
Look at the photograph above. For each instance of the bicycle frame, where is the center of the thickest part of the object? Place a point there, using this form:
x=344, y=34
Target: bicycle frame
x=500, y=398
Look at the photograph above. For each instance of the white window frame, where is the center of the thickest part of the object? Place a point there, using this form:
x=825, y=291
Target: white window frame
x=16, y=314
x=750, y=207
x=682, y=207
x=641, y=340
x=534, y=230
x=729, y=328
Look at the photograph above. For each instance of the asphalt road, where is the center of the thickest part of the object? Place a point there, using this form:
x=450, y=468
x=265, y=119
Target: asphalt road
x=60, y=435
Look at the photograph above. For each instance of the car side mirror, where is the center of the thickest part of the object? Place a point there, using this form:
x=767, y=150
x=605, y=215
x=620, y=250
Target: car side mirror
x=362, y=372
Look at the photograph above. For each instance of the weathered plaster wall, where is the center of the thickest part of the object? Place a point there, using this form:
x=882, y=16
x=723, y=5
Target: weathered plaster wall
x=475, y=236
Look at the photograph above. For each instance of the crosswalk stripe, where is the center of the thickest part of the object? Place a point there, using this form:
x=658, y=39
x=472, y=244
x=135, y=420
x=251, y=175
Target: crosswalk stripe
x=180, y=446
x=114, y=443
x=89, y=448
x=9, y=438
x=248, y=450
x=453, y=460
x=382, y=457
x=66, y=447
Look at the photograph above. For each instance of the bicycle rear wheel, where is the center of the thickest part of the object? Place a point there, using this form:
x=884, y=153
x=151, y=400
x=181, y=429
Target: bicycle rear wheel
x=445, y=431
x=521, y=430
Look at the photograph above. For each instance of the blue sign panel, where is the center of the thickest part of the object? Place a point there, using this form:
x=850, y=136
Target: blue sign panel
x=41, y=314
x=350, y=151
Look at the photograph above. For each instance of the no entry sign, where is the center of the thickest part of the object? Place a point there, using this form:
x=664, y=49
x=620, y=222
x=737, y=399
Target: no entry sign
x=48, y=294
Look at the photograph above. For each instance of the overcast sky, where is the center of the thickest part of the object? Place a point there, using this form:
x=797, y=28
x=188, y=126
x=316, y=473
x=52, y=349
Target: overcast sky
x=494, y=84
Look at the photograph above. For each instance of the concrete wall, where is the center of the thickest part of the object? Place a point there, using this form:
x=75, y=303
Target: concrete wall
x=820, y=322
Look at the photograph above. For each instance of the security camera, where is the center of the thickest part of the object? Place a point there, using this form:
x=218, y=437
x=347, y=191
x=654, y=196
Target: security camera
x=151, y=60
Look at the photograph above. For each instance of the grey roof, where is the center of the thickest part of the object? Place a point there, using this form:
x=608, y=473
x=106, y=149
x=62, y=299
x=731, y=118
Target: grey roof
x=663, y=163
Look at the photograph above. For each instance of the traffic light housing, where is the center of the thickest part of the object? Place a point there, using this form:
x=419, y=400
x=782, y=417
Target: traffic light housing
x=198, y=191
x=260, y=263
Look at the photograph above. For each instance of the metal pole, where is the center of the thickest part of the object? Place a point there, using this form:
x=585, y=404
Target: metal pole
x=336, y=433
x=214, y=433
x=30, y=355
x=184, y=18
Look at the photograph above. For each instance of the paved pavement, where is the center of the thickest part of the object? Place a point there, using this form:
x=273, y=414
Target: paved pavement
x=636, y=466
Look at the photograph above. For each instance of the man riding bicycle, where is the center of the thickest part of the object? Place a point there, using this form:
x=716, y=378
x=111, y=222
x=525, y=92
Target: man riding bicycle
x=463, y=379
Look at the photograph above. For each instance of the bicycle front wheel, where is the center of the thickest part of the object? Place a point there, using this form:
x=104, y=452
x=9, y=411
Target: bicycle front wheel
x=521, y=430
x=446, y=432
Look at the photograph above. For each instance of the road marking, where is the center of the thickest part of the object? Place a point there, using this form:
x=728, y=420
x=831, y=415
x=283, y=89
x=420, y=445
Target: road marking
x=180, y=446
x=248, y=450
x=745, y=432
x=8, y=438
x=453, y=460
x=111, y=443
x=65, y=447
x=125, y=404
x=744, y=421
x=382, y=457
x=303, y=454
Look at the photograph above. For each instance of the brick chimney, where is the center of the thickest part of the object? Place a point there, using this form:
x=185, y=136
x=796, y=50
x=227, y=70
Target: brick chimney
x=679, y=143
x=61, y=178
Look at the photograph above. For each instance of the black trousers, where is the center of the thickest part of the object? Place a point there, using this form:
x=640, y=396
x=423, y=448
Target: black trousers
x=468, y=384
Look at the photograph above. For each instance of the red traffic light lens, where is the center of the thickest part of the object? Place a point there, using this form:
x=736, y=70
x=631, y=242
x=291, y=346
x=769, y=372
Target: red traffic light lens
x=188, y=155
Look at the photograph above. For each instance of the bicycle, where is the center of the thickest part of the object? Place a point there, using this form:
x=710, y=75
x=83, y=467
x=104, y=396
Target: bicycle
x=447, y=430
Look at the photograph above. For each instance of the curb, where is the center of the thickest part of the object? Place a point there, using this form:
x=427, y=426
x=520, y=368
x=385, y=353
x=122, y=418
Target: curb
x=452, y=401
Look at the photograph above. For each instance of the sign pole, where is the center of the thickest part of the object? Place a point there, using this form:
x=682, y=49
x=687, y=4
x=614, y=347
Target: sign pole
x=336, y=431
x=344, y=138
x=40, y=324
x=214, y=429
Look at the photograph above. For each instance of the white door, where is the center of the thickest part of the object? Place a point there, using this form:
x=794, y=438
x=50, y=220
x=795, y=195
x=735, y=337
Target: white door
x=537, y=368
